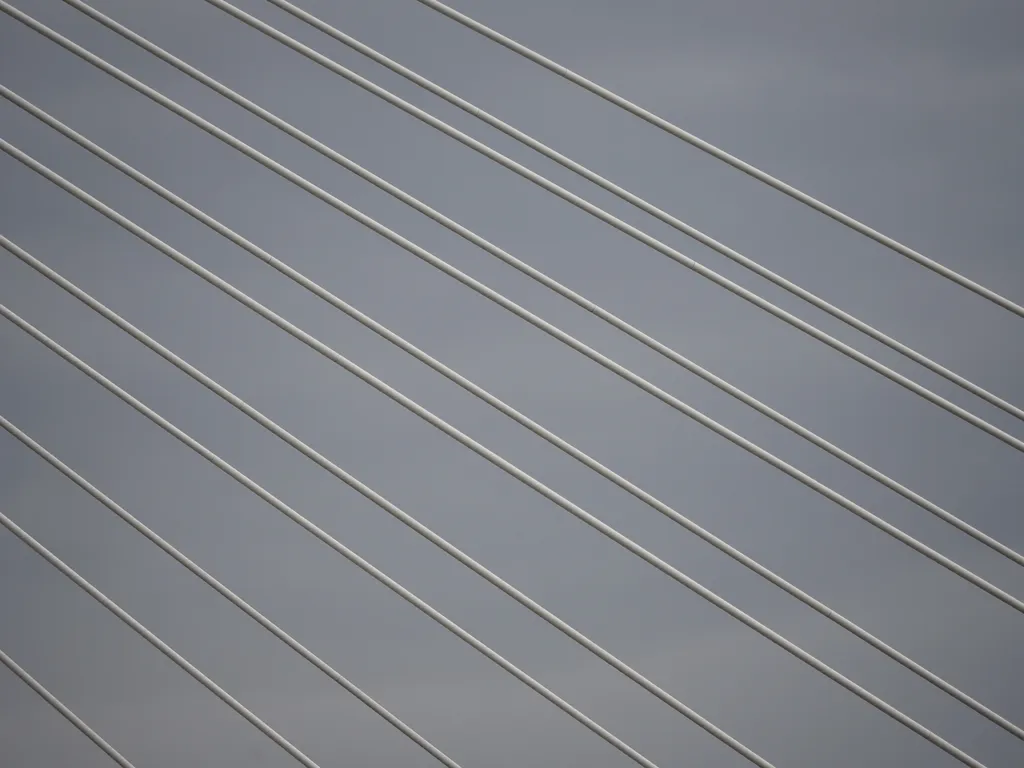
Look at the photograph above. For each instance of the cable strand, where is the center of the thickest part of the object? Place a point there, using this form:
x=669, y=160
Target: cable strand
x=492, y=457
x=735, y=162
x=299, y=756
x=68, y=715
x=538, y=276
x=218, y=586
x=641, y=204
x=469, y=386
x=330, y=541
x=389, y=507
x=152, y=639
x=510, y=306
x=620, y=225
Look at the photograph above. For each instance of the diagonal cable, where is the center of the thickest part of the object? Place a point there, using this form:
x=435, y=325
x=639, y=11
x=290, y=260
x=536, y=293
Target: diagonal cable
x=221, y=589
x=498, y=298
x=387, y=506
x=724, y=156
x=495, y=459
x=617, y=223
x=72, y=571
x=152, y=639
x=634, y=200
x=439, y=367
x=514, y=308
x=70, y=716
x=332, y=542
x=540, y=277
x=534, y=320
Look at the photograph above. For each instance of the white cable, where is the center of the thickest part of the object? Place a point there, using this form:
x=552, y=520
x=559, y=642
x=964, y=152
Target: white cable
x=618, y=224
x=637, y=202
x=515, y=309
x=724, y=156
x=540, y=277
x=70, y=716
x=479, y=392
x=224, y=591
x=329, y=540
x=152, y=639
x=396, y=512
x=481, y=450
x=947, y=748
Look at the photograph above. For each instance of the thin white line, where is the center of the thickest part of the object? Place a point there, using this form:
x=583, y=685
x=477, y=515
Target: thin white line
x=511, y=306
x=329, y=540
x=152, y=639
x=637, y=202
x=618, y=224
x=487, y=397
x=221, y=589
x=486, y=453
x=70, y=716
x=540, y=277
x=724, y=156
x=386, y=505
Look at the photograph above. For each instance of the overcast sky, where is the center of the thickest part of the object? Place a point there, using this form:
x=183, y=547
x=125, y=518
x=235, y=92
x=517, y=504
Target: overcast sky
x=905, y=115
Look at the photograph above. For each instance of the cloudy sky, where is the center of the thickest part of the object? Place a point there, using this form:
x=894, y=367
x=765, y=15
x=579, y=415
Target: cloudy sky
x=905, y=115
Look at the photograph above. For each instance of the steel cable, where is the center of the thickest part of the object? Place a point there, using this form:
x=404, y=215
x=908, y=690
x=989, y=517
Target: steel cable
x=735, y=162
x=533, y=426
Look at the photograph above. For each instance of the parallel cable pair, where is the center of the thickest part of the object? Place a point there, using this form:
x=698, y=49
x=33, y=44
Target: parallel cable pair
x=193, y=671
x=451, y=431
x=400, y=342
x=329, y=540
x=6, y=146
x=713, y=151
x=513, y=307
x=553, y=285
x=436, y=365
x=641, y=204
x=58, y=705
x=615, y=222
x=209, y=579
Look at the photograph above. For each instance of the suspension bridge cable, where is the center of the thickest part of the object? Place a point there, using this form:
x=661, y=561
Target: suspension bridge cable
x=552, y=330
x=495, y=459
x=152, y=639
x=534, y=274
x=479, y=392
x=221, y=589
x=724, y=156
x=70, y=716
x=618, y=224
x=529, y=317
x=329, y=540
x=636, y=201
x=43, y=553
x=381, y=501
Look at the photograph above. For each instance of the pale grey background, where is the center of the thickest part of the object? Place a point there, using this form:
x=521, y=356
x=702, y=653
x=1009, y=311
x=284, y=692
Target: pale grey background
x=906, y=115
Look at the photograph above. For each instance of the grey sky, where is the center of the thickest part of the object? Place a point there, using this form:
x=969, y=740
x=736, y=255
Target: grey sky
x=905, y=115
